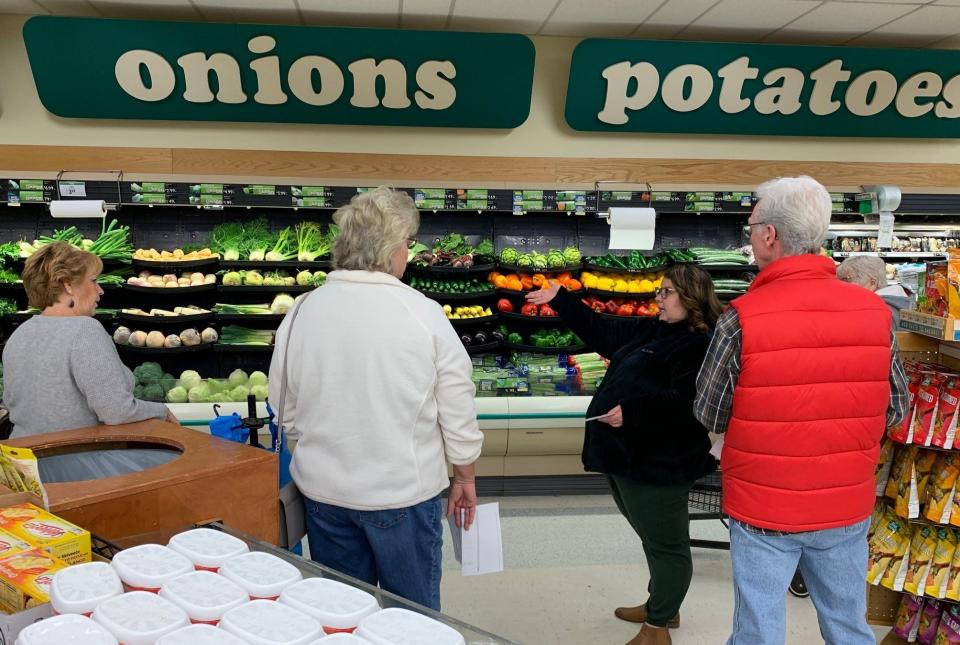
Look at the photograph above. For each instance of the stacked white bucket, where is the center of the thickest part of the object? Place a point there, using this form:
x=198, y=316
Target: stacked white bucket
x=207, y=588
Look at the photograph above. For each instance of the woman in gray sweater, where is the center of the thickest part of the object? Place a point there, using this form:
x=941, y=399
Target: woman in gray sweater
x=61, y=368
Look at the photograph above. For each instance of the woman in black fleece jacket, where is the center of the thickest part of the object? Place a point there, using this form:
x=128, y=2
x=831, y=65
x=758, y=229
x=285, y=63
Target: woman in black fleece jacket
x=648, y=443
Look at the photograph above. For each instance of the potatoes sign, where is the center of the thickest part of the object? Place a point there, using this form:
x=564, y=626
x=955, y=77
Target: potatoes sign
x=647, y=86
x=125, y=69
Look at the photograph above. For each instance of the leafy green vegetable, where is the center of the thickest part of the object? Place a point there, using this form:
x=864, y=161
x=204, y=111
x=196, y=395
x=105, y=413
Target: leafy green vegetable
x=228, y=239
x=311, y=242
x=9, y=251
x=8, y=306
x=484, y=249
x=285, y=247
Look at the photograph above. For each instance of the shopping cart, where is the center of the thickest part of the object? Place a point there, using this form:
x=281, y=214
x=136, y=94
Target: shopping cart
x=705, y=501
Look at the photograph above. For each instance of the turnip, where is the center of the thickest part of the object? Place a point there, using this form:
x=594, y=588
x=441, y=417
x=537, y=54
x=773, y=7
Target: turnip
x=121, y=336
x=209, y=335
x=155, y=339
x=172, y=341
x=183, y=282
x=138, y=338
x=209, y=279
x=190, y=337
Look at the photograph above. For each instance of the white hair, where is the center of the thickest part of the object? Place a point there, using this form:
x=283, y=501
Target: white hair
x=799, y=208
x=372, y=226
x=861, y=269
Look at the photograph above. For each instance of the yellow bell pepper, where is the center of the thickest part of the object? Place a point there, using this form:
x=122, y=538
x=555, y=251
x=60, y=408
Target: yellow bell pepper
x=620, y=286
x=605, y=284
x=589, y=281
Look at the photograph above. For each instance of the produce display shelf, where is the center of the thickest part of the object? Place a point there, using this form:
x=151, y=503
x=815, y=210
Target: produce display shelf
x=589, y=266
x=891, y=254
x=296, y=288
x=245, y=318
x=485, y=348
x=448, y=271
x=616, y=317
x=531, y=271
x=617, y=294
x=458, y=296
x=510, y=315
x=513, y=292
x=165, y=320
x=169, y=290
x=111, y=287
x=159, y=351
x=316, y=265
x=465, y=322
x=11, y=286
x=224, y=347
x=729, y=267
x=175, y=264
x=726, y=293
x=571, y=349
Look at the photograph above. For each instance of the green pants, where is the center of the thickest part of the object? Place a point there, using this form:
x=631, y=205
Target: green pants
x=660, y=517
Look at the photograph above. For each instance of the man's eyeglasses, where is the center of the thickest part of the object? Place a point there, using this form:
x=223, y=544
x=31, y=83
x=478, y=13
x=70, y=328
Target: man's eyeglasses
x=664, y=292
x=748, y=229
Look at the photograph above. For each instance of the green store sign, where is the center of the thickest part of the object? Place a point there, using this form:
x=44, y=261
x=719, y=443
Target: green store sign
x=686, y=87
x=128, y=69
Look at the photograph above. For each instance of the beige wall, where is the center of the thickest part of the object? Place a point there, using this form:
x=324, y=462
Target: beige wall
x=23, y=120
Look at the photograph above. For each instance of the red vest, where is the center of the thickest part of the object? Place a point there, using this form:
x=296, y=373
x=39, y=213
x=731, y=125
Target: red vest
x=810, y=405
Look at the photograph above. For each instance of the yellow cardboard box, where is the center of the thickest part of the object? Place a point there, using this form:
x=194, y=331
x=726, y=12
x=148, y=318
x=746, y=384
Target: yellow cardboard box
x=39, y=528
x=25, y=579
x=10, y=544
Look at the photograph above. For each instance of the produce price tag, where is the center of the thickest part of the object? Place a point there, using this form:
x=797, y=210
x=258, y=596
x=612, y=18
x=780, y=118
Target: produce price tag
x=30, y=184
x=313, y=191
x=73, y=189
x=664, y=197
x=260, y=189
x=151, y=187
x=701, y=197
x=153, y=198
x=31, y=196
x=207, y=200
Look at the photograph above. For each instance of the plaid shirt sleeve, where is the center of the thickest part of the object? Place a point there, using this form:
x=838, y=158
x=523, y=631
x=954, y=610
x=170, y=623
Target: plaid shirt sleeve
x=719, y=374
x=899, y=393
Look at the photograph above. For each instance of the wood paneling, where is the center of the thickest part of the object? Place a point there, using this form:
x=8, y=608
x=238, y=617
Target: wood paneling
x=445, y=169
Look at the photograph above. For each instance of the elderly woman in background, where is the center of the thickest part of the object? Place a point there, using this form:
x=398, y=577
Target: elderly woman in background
x=871, y=273
x=379, y=392
x=61, y=368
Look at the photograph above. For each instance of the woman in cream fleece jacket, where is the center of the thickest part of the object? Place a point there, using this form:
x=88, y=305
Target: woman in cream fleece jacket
x=380, y=396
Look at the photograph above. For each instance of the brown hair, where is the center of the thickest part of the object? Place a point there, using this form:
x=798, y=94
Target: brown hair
x=53, y=266
x=695, y=289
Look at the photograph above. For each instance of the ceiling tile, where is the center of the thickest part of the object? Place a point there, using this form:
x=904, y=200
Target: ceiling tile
x=599, y=17
x=21, y=7
x=750, y=15
x=923, y=27
x=352, y=13
x=69, y=7
x=425, y=14
x=671, y=17
x=838, y=22
x=910, y=2
x=261, y=11
x=147, y=9
x=953, y=3
x=525, y=16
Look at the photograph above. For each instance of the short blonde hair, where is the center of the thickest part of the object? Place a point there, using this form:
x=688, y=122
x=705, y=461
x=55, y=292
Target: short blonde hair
x=372, y=226
x=53, y=266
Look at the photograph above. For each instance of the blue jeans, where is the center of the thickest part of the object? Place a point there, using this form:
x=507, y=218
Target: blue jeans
x=399, y=549
x=834, y=567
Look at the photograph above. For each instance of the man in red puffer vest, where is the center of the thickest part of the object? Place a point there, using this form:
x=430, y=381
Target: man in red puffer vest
x=803, y=376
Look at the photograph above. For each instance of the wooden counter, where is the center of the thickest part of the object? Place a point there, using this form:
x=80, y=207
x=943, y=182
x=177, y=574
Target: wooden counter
x=211, y=479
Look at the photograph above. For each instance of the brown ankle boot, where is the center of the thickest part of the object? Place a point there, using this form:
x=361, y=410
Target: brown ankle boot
x=650, y=635
x=638, y=614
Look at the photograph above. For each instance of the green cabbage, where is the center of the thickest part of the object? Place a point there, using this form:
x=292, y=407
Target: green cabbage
x=237, y=377
x=257, y=378
x=177, y=395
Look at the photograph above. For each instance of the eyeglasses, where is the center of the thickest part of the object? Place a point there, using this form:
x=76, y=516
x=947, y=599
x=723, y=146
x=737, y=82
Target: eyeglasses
x=664, y=292
x=411, y=242
x=748, y=229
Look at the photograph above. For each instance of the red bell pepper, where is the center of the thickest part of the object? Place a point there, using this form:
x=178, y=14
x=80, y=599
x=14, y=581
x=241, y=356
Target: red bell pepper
x=612, y=306
x=504, y=305
x=529, y=309
x=626, y=310
x=598, y=307
x=547, y=311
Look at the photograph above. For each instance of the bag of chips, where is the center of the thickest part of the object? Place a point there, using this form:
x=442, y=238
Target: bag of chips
x=907, y=622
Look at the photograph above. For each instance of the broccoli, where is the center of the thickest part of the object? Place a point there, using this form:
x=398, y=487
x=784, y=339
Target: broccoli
x=148, y=373
x=153, y=392
x=138, y=392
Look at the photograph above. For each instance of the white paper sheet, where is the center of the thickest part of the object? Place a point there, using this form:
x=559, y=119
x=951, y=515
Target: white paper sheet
x=479, y=550
x=632, y=228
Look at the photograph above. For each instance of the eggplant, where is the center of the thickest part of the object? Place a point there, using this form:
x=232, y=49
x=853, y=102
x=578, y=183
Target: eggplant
x=467, y=340
x=498, y=335
x=481, y=338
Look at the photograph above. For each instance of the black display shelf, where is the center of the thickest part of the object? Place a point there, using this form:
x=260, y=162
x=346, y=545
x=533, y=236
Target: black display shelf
x=296, y=288
x=729, y=267
x=530, y=270
x=223, y=347
x=164, y=320
x=448, y=271
x=175, y=264
x=458, y=296
x=485, y=348
x=512, y=315
x=519, y=347
x=616, y=317
x=316, y=265
x=596, y=267
x=466, y=322
x=160, y=351
x=616, y=294
x=245, y=318
x=168, y=290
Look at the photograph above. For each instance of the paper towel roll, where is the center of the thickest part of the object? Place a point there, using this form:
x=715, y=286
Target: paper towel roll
x=78, y=208
x=632, y=228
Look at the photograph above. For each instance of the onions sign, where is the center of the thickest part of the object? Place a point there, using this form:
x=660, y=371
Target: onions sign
x=121, y=69
x=683, y=87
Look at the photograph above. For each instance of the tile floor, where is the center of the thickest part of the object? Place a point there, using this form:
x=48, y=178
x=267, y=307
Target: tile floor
x=570, y=560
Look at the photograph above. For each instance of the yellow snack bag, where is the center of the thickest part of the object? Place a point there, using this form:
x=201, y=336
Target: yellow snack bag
x=906, y=490
x=884, y=465
x=898, y=562
x=953, y=577
x=886, y=542
x=913, y=577
x=901, y=457
x=923, y=468
x=940, y=566
x=25, y=462
x=940, y=501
